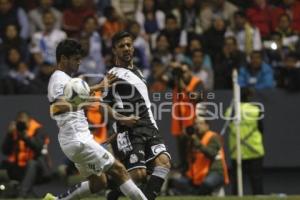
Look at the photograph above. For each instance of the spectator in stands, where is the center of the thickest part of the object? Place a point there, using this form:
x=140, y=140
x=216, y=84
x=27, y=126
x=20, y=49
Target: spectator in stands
x=252, y=147
x=17, y=80
x=36, y=16
x=203, y=73
x=21, y=78
x=43, y=44
x=97, y=122
x=186, y=93
x=93, y=61
x=13, y=58
x=289, y=36
x=9, y=14
x=291, y=8
x=11, y=38
x=157, y=76
x=207, y=170
x=276, y=52
x=260, y=16
x=127, y=9
x=150, y=18
x=141, y=47
x=289, y=75
x=39, y=84
x=222, y=8
x=178, y=38
x=230, y=58
x=162, y=50
x=248, y=37
x=196, y=43
x=25, y=146
x=73, y=17
x=213, y=38
x=284, y=27
x=112, y=24
x=256, y=74
x=188, y=16
x=88, y=67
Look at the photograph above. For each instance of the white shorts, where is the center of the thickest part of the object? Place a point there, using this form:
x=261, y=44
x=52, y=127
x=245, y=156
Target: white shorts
x=89, y=156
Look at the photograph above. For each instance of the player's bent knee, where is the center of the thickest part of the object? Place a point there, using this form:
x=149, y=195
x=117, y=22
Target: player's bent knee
x=97, y=183
x=139, y=175
x=118, y=171
x=163, y=160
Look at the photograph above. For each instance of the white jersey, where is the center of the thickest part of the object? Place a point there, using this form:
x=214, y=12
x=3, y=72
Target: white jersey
x=74, y=136
x=69, y=123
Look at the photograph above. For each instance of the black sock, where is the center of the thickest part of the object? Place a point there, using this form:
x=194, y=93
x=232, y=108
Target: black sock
x=155, y=182
x=114, y=195
x=153, y=187
x=115, y=192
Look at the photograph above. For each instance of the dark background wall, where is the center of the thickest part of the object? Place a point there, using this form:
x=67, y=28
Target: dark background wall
x=281, y=136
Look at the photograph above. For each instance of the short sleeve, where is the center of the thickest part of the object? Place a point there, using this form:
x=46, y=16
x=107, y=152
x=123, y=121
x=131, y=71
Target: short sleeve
x=58, y=90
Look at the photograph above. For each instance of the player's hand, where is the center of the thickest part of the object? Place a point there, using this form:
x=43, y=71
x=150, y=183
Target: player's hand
x=129, y=121
x=108, y=80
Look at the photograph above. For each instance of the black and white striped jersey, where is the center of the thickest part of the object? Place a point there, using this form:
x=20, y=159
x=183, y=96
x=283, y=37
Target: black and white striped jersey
x=129, y=96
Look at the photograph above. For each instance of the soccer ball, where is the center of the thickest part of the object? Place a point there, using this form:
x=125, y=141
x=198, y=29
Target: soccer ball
x=76, y=91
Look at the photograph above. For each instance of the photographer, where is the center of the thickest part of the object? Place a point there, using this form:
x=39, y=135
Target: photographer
x=207, y=170
x=187, y=90
x=26, y=149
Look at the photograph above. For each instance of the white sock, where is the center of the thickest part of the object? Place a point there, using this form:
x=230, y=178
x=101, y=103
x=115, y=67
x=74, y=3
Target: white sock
x=76, y=192
x=130, y=190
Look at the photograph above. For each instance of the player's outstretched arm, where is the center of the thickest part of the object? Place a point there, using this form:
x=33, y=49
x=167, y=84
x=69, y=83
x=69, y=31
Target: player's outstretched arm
x=61, y=106
x=124, y=120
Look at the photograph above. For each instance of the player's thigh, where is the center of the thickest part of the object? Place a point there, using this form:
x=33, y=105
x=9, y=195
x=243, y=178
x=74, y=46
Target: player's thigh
x=72, y=150
x=156, y=151
x=118, y=172
x=130, y=150
x=93, y=159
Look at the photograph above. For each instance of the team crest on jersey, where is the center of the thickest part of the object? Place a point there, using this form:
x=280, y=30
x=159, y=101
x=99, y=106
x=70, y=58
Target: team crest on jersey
x=142, y=152
x=133, y=158
x=156, y=149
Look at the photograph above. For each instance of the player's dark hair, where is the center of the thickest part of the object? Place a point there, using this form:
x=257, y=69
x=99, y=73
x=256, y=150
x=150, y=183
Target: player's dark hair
x=119, y=36
x=68, y=48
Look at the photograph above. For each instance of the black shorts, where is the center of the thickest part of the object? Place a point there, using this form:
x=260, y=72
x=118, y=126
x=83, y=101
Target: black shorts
x=136, y=147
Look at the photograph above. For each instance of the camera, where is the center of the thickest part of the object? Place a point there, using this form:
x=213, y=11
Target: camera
x=190, y=130
x=177, y=72
x=21, y=126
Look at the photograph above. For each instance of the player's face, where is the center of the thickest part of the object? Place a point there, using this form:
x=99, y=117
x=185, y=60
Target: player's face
x=124, y=50
x=74, y=62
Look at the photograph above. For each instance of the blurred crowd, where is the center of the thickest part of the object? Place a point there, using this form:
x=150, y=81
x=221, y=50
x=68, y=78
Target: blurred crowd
x=258, y=37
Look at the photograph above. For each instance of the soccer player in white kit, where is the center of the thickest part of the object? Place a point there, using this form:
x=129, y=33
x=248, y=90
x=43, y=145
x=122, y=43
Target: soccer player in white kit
x=74, y=137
